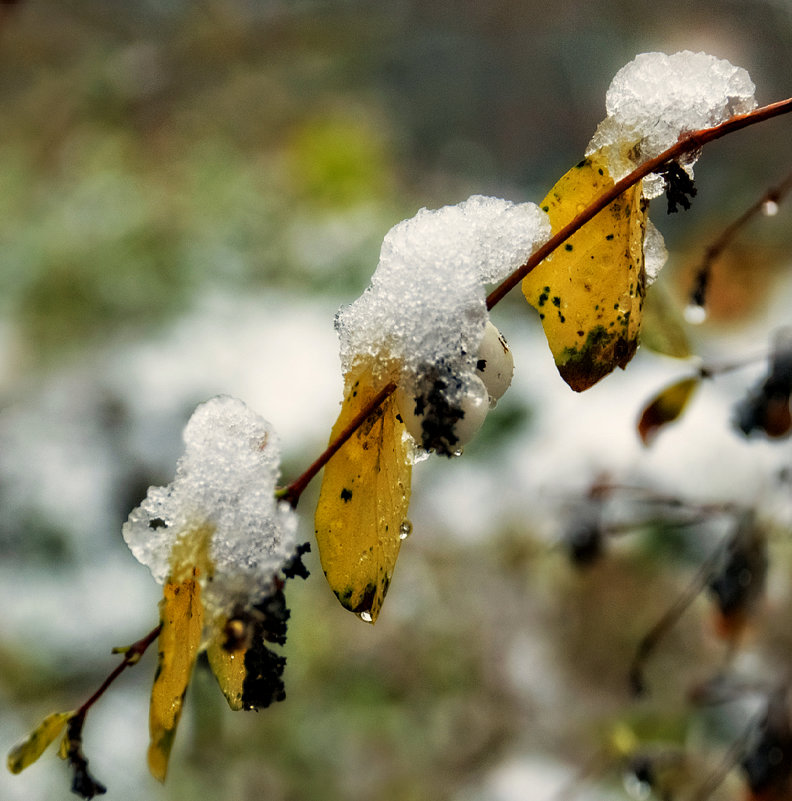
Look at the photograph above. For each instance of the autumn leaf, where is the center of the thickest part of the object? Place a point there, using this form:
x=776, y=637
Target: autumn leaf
x=33, y=746
x=589, y=293
x=363, y=500
x=249, y=673
x=664, y=408
x=181, y=614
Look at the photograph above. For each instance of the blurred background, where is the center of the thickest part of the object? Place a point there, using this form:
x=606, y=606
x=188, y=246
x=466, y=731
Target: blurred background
x=188, y=192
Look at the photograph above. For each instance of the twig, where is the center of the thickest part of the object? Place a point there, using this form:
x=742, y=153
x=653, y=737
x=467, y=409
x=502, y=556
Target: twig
x=686, y=144
x=698, y=295
x=667, y=622
x=132, y=656
x=731, y=758
x=84, y=784
x=291, y=492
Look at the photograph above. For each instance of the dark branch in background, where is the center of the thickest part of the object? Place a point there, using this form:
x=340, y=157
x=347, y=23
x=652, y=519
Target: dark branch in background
x=686, y=144
x=666, y=623
x=698, y=294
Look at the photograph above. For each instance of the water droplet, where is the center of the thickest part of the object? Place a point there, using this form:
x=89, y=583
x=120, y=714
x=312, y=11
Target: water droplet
x=493, y=402
x=405, y=529
x=769, y=208
x=366, y=617
x=458, y=452
x=695, y=314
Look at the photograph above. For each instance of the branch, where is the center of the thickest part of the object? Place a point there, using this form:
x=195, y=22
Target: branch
x=291, y=492
x=686, y=144
x=698, y=296
x=132, y=654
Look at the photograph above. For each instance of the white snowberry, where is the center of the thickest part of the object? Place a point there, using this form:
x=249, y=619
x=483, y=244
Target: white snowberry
x=434, y=423
x=494, y=362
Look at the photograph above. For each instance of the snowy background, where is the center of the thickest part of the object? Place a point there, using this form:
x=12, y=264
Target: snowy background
x=189, y=192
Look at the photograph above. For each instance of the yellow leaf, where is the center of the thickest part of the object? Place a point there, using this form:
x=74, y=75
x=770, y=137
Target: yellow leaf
x=228, y=665
x=363, y=501
x=33, y=746
x=589, y=293
x=665, y=408
x=249, y=673
x=181, y=614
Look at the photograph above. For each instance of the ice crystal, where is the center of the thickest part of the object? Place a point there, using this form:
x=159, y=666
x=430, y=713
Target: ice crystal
x=426, y=302
x=657, y=97
x=224, y=489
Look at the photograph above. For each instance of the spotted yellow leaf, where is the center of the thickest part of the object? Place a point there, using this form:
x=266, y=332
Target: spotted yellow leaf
x=363, y=501
x=249, y=673
x=181, y=615
x=589, y=293
x=33, y=746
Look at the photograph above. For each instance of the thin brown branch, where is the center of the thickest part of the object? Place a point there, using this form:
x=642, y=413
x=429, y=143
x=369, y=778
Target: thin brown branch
x=703, y=273
x=686, y=144
x=132, y=656
x=667, y=622
x=291, y=492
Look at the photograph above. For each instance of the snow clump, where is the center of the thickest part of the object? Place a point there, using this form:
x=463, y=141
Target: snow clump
x=224, y=486
x=424, y=313
x=656, y=98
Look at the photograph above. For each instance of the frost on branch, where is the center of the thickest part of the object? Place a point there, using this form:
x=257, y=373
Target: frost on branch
x=223, y=547
x=658, y=97
x=224, y=487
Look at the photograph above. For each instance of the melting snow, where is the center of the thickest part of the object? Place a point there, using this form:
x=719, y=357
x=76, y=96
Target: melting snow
x=426, y=302
x=225, y=482
x=657, y=97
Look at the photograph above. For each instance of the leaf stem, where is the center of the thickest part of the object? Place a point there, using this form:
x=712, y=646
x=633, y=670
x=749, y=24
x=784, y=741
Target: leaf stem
x=291, y=492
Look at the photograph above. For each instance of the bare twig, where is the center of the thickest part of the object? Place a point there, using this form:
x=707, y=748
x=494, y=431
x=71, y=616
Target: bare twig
x=667, y=622
x=701, y=280
x=291, y=492
x=132, y=656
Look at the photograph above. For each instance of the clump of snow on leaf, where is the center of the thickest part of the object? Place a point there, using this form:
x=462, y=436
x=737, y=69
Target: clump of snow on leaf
x=426, y=304
x=657, y=97
x=225, y=484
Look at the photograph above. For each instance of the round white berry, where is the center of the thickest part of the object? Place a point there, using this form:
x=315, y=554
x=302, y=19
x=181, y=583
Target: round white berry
x=437, y=423
x=413, y=422
x=494, y=362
